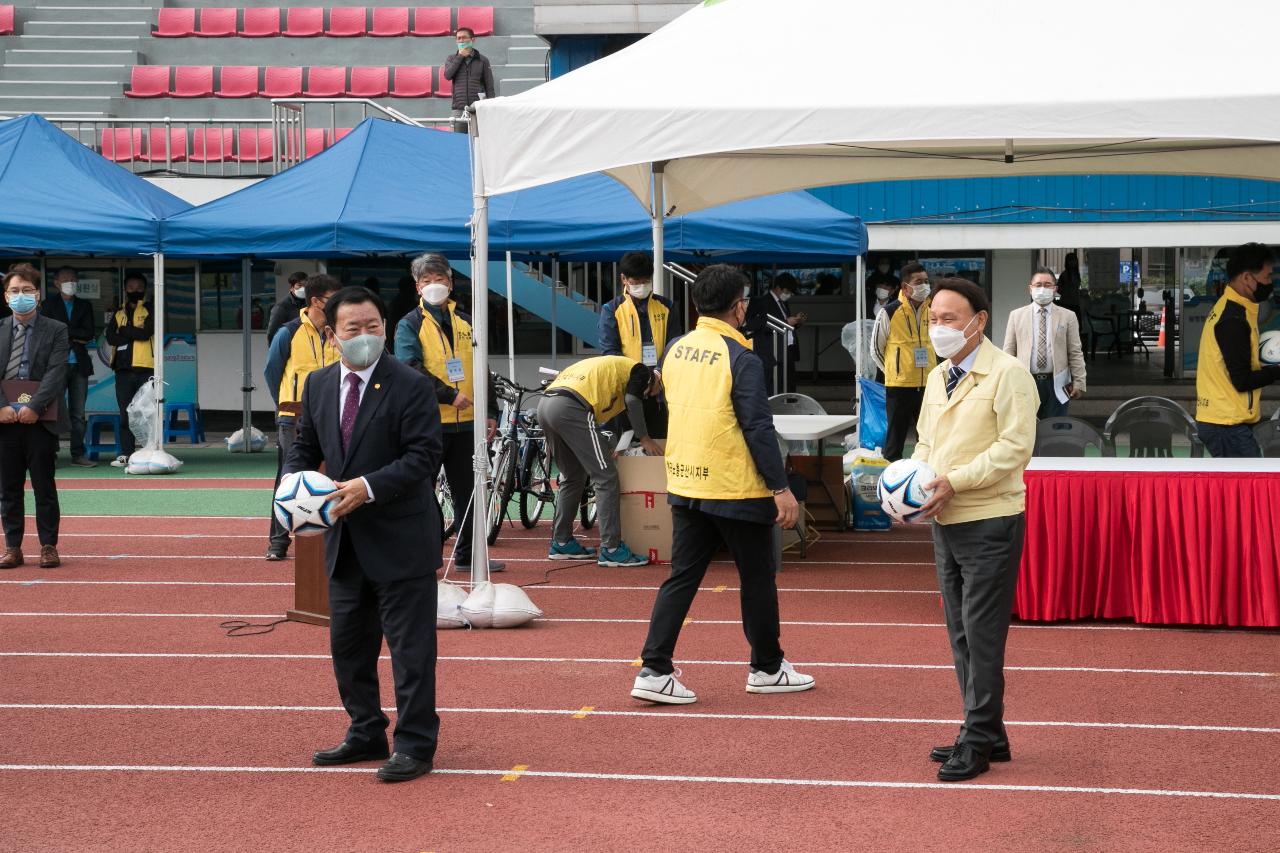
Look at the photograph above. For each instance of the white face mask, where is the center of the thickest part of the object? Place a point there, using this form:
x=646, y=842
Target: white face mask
x=920, y=292
x=362, y=350
x=435, y=293
x=1042, y=295
x=883, y=293
x=299, y=293
x=640, y=291
x=784, y=296
x=68, y=288
x=948, y=341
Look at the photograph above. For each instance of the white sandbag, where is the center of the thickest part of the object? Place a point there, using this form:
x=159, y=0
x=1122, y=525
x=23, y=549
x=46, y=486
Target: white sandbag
x=501, y=605
x=151, y=461
x=257, y=441
x=449, y=598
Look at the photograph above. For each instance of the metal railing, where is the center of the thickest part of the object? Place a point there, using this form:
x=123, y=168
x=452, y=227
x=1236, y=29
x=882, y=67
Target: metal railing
x=291, y=118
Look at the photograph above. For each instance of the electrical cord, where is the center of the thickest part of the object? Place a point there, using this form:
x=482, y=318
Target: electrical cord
x=243, y=628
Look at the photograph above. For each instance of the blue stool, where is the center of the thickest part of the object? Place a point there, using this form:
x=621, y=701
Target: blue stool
x=93, y=434
x=174, y=427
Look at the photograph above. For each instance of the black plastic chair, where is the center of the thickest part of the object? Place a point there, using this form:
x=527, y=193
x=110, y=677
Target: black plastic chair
x=1100, y=327
x=1068, y=437
x=1151, y=425
x=1267, y=434
x=795, y=404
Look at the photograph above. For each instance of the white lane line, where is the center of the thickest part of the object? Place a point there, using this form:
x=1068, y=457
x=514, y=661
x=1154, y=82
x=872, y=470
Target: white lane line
x=41, y=582
x=571, y=712
x=631, y=661
x=132, y=518
x=258, y=557
x=653, y=777
x=736, y=589
x=62, y=535
x=44, y=582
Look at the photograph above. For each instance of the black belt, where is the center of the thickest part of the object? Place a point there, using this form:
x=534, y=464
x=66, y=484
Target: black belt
x=1038, y=376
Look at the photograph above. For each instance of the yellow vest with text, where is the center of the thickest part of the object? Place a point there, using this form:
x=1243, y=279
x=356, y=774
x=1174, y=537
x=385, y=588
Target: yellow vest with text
x=308, y=351
x=143, y=353
x=906, y=335
x=601, y=382
x=1217, y=400
x=706, y=453
x=437, y=350
x=629, y=327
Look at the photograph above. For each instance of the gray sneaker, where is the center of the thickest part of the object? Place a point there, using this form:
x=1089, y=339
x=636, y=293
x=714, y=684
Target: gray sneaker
x=84, y=462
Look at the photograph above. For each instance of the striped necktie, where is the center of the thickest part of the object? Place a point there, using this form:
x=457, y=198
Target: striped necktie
x=1042, y=345
x=16, y=351
x=954, y=374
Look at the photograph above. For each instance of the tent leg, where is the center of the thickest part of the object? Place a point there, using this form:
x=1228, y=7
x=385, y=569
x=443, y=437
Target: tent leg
x=511, y=325
x=658, y=218
x=555, y=288
x=246, y=380
x=860, y=300
x=157, y=346
x=479, y=366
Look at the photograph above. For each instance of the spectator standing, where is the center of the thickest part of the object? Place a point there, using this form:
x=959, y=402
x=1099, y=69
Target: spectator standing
x=1069, y=284
x=1046, y=339
x=131, y=332
x=637, y=324
x=901, y=349
x=286, y=310
x=772, y=349
x=471, y=75
x=66, y=307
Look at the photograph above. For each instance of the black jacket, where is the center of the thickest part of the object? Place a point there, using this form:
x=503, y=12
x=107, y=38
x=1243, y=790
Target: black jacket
x=471, y=75
x=281, y=313
x=119, y=336
x=81, y=329
x=47, y=344
x=767, y=345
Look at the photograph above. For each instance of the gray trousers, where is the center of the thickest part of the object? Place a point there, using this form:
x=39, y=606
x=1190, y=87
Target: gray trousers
x=579, y=452
x=978, y=572
x=285, y=431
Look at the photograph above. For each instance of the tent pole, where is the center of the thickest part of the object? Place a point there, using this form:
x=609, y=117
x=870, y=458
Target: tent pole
x=555, y=287
x=246, y=380
x=511, y=325
x=479, y=362
x=656, y=215
x=157, y=343
x=860, y=300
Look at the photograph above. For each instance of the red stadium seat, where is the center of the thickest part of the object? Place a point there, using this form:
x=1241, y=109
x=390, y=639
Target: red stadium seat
x=238, y=81
x=340, y=133
x=217, y=23
x=412, y=81
x=315, y=143
x=156, y=141
x=193, y=81
x=261, y=23
x=347, y=21
x=6, y=21
x=390, y=21
x=478, y=18
x=326, y=82
x=174, y=23
x=369, y=82
x=211, y=145
x=446, y=86
x=282, y=82
x=149, y=81
x=304, y=22
x=122, y=144
x=432, y=21
x=254, y=146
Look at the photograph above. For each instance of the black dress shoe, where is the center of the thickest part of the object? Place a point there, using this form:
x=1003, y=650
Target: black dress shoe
x=277, y=552
x=403, y=768
x=999, y=752
x=965, y=763
x=349, y=753
x=494, y=566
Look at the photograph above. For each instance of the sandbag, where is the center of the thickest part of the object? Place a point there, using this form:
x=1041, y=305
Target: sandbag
x=501, y=605
x=449, y=598
x=257, y=441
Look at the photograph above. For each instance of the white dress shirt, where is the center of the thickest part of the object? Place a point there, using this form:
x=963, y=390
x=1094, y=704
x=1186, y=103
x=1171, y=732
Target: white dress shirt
x=343, y=372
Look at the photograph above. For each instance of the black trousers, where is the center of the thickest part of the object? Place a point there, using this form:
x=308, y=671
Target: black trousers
x=459, y=450
x=127, y=384
x=696, y=536
x=28, y=448
x=362, y=612
x=977, y=564
x=284, y=440
x=902, y=410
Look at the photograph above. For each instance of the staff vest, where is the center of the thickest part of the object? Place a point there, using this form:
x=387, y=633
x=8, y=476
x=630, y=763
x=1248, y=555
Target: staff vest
x=628, y=319
x=907, y=333
x=706, y=453
x=1217, y=400
x=601, y=382
x=143, y=354
x=308, y=351
x=436, y=352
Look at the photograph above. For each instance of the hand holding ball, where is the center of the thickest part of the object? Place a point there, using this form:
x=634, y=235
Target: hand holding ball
x=902, y=489
x=302, y=501
x=1269, y=347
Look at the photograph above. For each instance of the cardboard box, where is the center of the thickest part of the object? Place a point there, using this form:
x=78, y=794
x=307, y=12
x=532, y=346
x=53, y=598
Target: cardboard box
x=826, y=516
x=645, y=514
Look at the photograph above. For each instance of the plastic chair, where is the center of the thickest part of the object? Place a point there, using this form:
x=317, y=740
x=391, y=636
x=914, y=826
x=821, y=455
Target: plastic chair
x=432, y=21
x=254, y=145
x=347, y=21
x=282, y=82
x=1068, y=437
x=164, y=147
x=795, y=404
x=238, y=81
x=1267, y=434
x=122, y=144
x=193, y=81
x=370, y=82
x=313, y=146
x=148, y=81
x=390, y=21
x=93, y=426
x=6, y=20
x=176, y=426
x=304, y=22
x=479, y=19
x=261, y=23
x=211, y=145
x=1150, y=400
x=326, y=81
x=217, y=23
x=173, y=23
x=1151, y=428
x=445, y=89
x=412, y=81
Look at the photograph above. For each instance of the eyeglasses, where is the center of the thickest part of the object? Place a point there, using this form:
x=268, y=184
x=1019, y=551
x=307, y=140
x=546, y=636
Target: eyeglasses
x=26, y=291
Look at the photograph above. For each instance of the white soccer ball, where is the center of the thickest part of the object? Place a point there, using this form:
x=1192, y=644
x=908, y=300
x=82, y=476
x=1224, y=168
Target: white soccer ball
x=302, y=501
x=1269, y=347
x=901, y=489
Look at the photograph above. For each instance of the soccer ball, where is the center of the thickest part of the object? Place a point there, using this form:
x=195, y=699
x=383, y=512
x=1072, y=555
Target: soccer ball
x=1269, y=347
x=302, y=501
x=901, y=489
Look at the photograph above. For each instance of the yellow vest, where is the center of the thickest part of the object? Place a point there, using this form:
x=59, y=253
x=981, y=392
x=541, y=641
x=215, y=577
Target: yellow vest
x=1217, y=400
x=308, y=351
x=907, y=334
x=629, y=328
x=437, y=350
x=601, y=382
x=143, y=355
x=706, y=453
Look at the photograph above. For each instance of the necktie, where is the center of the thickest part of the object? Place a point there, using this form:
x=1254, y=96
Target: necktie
x=350, y=407
x=954, y=375
x=16, y=351
x=1042, y=345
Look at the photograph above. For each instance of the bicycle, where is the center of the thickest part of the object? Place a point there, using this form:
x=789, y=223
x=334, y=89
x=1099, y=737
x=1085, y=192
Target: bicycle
x=519, y=460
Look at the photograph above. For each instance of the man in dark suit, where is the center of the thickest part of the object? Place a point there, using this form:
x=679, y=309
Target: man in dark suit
x=287, y=309
x=32, y=349
x=771, y=349
x=64, y=306
x=375, y=425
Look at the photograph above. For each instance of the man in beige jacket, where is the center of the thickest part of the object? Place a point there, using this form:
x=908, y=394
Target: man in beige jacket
x=977, y=428
x=1046, y=339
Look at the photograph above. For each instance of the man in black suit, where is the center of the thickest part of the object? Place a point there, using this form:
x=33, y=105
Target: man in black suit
x=375, y=425
x=32, y=349
x=64, y=306
x=773, y=351
x=287, y=309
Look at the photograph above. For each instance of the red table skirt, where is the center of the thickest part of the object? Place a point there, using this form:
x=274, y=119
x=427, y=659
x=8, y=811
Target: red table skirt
x=1162, y=548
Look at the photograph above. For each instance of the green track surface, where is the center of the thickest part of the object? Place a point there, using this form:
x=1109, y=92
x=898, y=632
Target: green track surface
x=199, y=461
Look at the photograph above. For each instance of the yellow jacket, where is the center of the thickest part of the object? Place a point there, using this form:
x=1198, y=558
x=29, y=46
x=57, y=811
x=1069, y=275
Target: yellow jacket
x=981, y=438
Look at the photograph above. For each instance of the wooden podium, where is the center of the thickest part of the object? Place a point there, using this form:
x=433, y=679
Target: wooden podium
x=310, y=581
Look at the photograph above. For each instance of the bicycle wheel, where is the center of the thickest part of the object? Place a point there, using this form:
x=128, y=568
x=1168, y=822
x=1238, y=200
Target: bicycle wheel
x=587, y=512
x=448, y=523
x=504, y=473
x=535, y=484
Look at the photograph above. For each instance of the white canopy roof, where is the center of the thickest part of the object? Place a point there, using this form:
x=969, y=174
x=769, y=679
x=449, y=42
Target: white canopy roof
x=747, y=97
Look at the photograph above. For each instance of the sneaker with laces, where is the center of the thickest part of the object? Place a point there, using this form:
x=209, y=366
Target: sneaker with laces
x=785, y=680
x=120, y=462
x=571, y=550
x=664, y=689
x=620, y=556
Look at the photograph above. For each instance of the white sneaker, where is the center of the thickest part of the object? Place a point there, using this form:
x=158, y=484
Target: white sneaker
x=665, y=689
x=785, y=680
x=120, y=462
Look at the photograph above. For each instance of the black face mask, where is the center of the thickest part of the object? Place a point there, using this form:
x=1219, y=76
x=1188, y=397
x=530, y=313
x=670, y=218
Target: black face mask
x=1263, y=293
x=130, y=296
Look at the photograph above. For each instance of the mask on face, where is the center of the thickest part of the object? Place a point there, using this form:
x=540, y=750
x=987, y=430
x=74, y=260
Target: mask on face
x=68, y=288
x=464, y=45
x=640, y=291
x=948, y=341
x=362, y=350
x=784, y=296
x=132, y=296
x=920, y=292
x=299, y=293
x=883, y=293
x=1042, y=295
x=23, y=303
x=435, y=293
x=1263, y=292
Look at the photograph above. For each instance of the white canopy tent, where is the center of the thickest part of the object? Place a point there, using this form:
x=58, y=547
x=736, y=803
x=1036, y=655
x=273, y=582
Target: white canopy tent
x=739, y=98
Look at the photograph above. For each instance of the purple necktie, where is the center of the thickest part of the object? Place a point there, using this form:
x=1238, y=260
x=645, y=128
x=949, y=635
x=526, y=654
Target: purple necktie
x=350, y=407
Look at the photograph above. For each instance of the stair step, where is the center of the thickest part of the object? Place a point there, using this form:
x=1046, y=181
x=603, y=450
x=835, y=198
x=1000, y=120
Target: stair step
x=95, y=14
x=36, y=71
